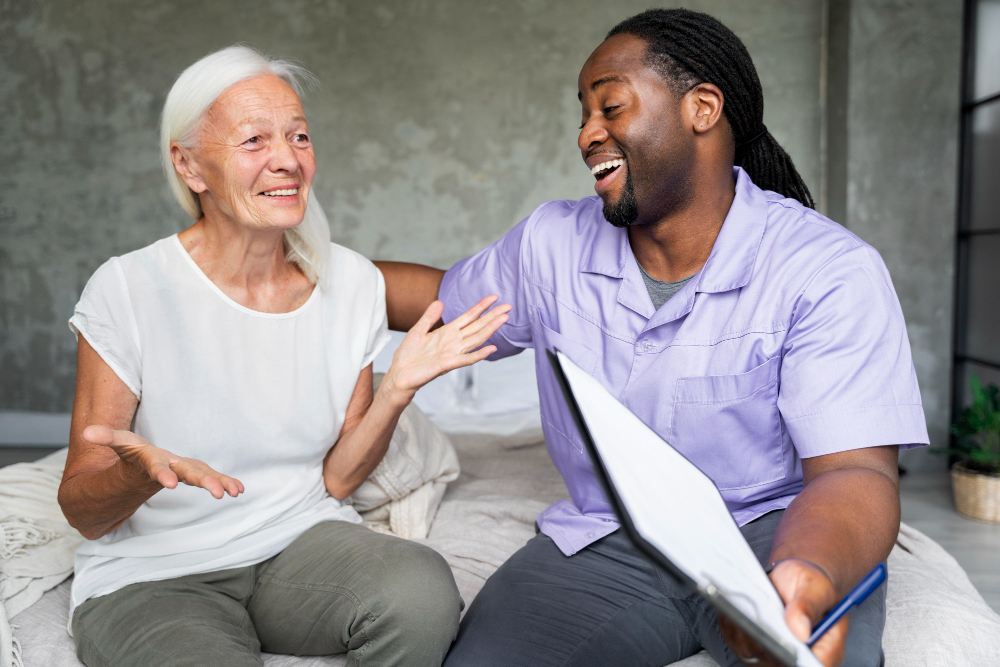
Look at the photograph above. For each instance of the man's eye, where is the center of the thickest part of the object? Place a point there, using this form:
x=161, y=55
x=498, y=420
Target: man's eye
x=302, y=137
x=252, y=140
x=608, y=110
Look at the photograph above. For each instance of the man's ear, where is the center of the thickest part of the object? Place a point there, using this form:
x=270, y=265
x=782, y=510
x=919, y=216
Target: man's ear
x=703, y=107
x=186, y=167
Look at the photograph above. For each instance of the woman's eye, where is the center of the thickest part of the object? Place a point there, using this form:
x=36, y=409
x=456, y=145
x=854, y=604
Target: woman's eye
x=252, y=141
x=304, y=138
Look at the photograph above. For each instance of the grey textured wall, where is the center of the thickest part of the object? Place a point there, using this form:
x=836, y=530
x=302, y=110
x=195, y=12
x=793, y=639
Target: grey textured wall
x=902, y=153
x=439, y=124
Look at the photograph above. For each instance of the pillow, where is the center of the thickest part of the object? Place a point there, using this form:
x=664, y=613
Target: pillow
x=505, y=386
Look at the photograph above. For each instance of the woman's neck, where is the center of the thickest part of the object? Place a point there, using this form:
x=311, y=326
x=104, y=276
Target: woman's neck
x=247, y=264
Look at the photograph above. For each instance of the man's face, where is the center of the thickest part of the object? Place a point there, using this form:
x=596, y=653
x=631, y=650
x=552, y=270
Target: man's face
x=632, y=137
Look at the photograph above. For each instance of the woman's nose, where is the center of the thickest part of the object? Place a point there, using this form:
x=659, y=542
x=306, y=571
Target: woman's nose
x=284, y=158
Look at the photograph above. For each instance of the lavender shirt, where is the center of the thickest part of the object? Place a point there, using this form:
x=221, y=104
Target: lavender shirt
x=788, y=344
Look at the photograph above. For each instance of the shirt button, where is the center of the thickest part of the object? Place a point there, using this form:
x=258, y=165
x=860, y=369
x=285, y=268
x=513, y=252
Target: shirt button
x=647, y=346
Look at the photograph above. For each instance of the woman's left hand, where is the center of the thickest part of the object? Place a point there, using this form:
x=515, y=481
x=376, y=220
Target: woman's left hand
x=424, y=354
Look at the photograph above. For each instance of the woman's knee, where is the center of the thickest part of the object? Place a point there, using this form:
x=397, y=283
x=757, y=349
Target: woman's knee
x=420, y=591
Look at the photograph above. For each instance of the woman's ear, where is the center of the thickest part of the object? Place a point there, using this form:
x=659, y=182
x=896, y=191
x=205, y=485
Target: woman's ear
x=186, y=167
x=703, y=106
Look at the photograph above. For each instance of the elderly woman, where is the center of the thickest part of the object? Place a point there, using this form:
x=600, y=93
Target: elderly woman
x=224, y=411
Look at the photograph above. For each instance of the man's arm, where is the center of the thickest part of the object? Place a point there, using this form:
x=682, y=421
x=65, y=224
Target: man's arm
x=409, y=290
x=846, y=519
x=836, y=530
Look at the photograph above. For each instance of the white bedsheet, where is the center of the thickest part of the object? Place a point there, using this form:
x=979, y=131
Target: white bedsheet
x=935, y=616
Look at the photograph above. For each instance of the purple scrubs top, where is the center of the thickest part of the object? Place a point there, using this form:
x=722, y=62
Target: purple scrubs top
x=788, y=344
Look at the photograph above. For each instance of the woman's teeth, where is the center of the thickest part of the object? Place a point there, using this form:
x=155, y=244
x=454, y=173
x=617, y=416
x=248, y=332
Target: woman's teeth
x=599, y=170
x=282, y=193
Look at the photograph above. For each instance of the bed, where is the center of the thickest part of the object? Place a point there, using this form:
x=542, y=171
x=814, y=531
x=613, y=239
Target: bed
x=935, y=615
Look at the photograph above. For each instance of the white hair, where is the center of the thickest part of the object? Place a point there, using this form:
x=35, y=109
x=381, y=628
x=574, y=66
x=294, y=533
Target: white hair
x=308, y=244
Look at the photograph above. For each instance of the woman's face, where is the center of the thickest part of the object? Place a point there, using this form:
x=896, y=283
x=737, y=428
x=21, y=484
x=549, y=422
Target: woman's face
x=253, y=161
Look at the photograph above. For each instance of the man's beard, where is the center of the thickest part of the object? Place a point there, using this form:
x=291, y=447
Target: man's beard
x=625, y=211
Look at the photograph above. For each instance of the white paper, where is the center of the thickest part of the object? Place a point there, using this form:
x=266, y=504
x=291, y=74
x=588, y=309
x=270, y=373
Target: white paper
x=678, y=509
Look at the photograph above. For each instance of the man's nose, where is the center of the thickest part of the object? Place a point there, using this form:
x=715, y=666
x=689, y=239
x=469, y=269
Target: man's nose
x=592, y=135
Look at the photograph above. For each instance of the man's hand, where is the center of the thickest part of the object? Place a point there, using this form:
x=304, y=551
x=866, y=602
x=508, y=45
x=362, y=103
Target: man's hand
x=808, y=594
x=424, y=354
x=161, y=466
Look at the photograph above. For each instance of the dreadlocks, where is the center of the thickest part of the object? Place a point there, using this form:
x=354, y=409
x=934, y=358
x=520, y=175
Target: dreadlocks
x=687, y=48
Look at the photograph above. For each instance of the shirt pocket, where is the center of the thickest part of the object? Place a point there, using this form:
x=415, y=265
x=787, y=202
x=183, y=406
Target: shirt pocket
x=729, y=426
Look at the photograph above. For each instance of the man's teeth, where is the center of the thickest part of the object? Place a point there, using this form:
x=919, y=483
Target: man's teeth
x=606, y=166
x=282, y=193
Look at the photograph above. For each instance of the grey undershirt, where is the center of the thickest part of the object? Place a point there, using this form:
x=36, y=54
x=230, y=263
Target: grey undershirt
x=659, y=291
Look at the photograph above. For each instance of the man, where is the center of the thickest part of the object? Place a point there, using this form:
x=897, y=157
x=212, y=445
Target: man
x=760, y=339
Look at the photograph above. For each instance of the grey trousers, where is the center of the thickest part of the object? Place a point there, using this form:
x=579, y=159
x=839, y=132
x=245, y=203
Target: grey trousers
x=338, y=588
x=609, y=605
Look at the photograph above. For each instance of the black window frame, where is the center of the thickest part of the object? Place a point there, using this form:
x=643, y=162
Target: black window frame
x=963, y=234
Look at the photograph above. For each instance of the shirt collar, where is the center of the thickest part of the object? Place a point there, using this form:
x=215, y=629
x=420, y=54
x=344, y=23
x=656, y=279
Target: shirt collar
x=733, y=256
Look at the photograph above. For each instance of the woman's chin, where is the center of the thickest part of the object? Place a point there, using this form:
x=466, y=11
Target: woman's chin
x=277, y=220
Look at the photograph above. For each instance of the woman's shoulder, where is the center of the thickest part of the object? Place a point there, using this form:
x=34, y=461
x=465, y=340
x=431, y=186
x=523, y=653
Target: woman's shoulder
x=348, y=266
x=132, y=265
x=158, y=252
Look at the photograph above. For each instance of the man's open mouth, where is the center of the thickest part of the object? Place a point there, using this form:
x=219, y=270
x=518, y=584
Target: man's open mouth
x=605, y=169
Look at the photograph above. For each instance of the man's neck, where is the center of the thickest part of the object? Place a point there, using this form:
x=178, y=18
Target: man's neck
x=678, y=245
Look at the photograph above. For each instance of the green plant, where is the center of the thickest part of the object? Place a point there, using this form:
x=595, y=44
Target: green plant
x=977, y=430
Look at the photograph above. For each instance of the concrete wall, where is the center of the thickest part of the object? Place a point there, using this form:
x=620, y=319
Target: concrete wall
x=902, y=156
x=438, y=125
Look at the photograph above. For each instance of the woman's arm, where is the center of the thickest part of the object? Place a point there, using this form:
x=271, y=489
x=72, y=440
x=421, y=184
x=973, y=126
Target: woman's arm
x=422, y=356
x=99, y=490
x=409, y=290
x=110, y=472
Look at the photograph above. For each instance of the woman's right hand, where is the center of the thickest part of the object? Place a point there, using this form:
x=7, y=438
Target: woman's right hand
x=163, y=467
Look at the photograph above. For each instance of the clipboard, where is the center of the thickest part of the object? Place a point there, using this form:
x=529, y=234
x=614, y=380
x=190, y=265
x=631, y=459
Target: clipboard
x=713, y=594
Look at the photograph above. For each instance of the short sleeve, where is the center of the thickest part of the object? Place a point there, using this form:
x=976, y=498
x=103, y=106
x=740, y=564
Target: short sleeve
x=847, y=377
x=104, y=317
x=497, y=269
x=378, y=327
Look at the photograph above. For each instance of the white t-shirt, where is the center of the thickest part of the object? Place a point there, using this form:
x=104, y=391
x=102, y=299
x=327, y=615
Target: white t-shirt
x=258, y=396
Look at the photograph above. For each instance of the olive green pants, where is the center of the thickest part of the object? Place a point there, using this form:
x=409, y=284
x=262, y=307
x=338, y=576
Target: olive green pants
x=338, y=588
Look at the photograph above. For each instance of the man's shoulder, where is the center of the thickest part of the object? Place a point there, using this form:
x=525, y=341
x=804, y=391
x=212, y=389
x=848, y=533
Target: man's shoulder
x=798, y=234
x=564, y=221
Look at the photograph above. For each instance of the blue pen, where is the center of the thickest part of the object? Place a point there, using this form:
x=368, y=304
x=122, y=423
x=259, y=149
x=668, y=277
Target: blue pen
x=857, y=595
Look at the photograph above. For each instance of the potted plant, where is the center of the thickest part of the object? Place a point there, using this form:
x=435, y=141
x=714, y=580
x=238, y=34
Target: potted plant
x=976, y=474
